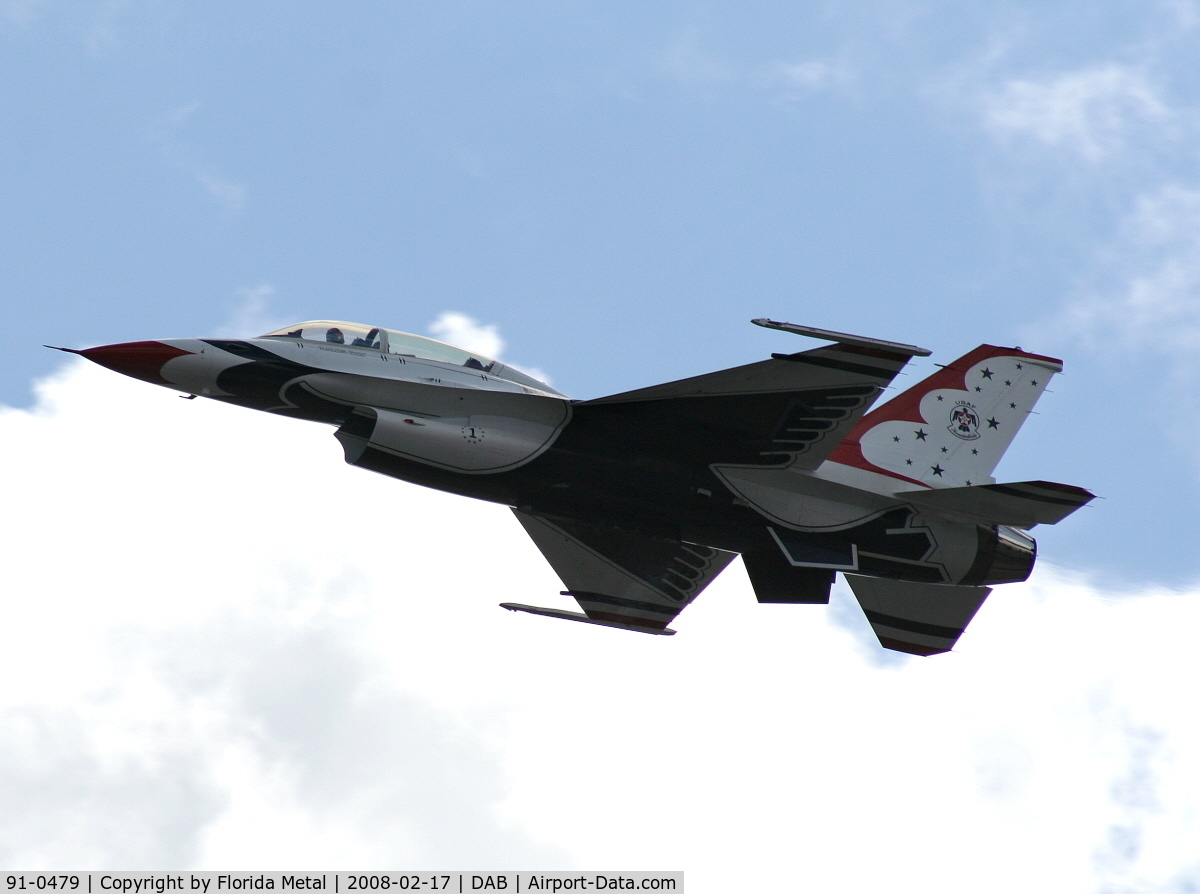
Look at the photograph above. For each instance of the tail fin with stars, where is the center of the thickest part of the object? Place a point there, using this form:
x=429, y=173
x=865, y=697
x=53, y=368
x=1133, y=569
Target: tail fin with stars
x=951, y=429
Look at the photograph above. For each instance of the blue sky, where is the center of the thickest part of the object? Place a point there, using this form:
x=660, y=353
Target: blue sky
x=618, y=188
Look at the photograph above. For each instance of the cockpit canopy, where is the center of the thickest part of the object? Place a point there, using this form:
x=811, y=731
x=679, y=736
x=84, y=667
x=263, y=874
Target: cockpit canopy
x=404, y=344
x=390, y=341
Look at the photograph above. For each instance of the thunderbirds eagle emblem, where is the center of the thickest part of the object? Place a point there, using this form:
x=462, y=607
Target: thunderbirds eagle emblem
x=964, y=421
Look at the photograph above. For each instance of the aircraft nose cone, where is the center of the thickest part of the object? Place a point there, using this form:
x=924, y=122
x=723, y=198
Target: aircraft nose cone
x=141, y=359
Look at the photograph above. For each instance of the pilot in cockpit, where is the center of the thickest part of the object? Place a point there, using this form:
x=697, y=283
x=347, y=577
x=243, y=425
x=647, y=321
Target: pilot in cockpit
x=334, y=336
x=371, y=341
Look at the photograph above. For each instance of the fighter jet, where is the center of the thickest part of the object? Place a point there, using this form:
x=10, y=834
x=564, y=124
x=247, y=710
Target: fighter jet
x=639, y=500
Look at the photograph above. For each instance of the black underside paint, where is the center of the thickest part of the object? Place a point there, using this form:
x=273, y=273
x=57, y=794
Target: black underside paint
x=906, y=624
x=589, y=493
x=861, y=369
x=886, y=545
x=750, y=429
x=672, y=568
x=642, y=467
x=666, y=612
x=1078, y=498
x=775, y=579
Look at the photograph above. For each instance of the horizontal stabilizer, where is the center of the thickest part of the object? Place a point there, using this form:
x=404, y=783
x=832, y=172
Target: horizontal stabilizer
x=1022, y=504
x=920, y=619
x=576, y=616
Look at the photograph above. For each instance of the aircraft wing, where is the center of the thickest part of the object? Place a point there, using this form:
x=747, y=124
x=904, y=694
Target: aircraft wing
x=622, y=579
x=793, y=409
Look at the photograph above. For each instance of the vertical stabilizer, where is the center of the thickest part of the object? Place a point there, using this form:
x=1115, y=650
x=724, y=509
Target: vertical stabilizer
x=951, y=429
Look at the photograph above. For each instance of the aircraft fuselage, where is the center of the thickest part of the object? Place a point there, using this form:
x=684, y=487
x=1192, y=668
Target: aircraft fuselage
x=639, y=500
x=494, y=434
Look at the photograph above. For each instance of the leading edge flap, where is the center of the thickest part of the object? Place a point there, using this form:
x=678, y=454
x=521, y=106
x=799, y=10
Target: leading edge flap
x=920, y=619
x=627, y=579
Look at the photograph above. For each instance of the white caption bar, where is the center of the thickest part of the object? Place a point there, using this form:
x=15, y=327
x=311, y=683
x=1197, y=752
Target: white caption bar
x=338, y=882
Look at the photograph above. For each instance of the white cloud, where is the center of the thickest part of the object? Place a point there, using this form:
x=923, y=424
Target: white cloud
x=1150, y=293
x=795, y=80
x=252, y=316
x=229, y=195
x=482, y=338
x=190, y=161
x=468, y=333
x=1088, y=113
x=195, y=680
x=1034, y=752
x=227, y=648
x=1187, y=13
x=687, y=62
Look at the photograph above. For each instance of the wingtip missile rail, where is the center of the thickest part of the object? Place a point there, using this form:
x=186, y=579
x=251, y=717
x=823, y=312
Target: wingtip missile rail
x=860, y=341
x=577, y=616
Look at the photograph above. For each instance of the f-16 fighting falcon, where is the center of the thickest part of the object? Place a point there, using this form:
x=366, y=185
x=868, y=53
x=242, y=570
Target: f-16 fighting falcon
x=638, y=500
